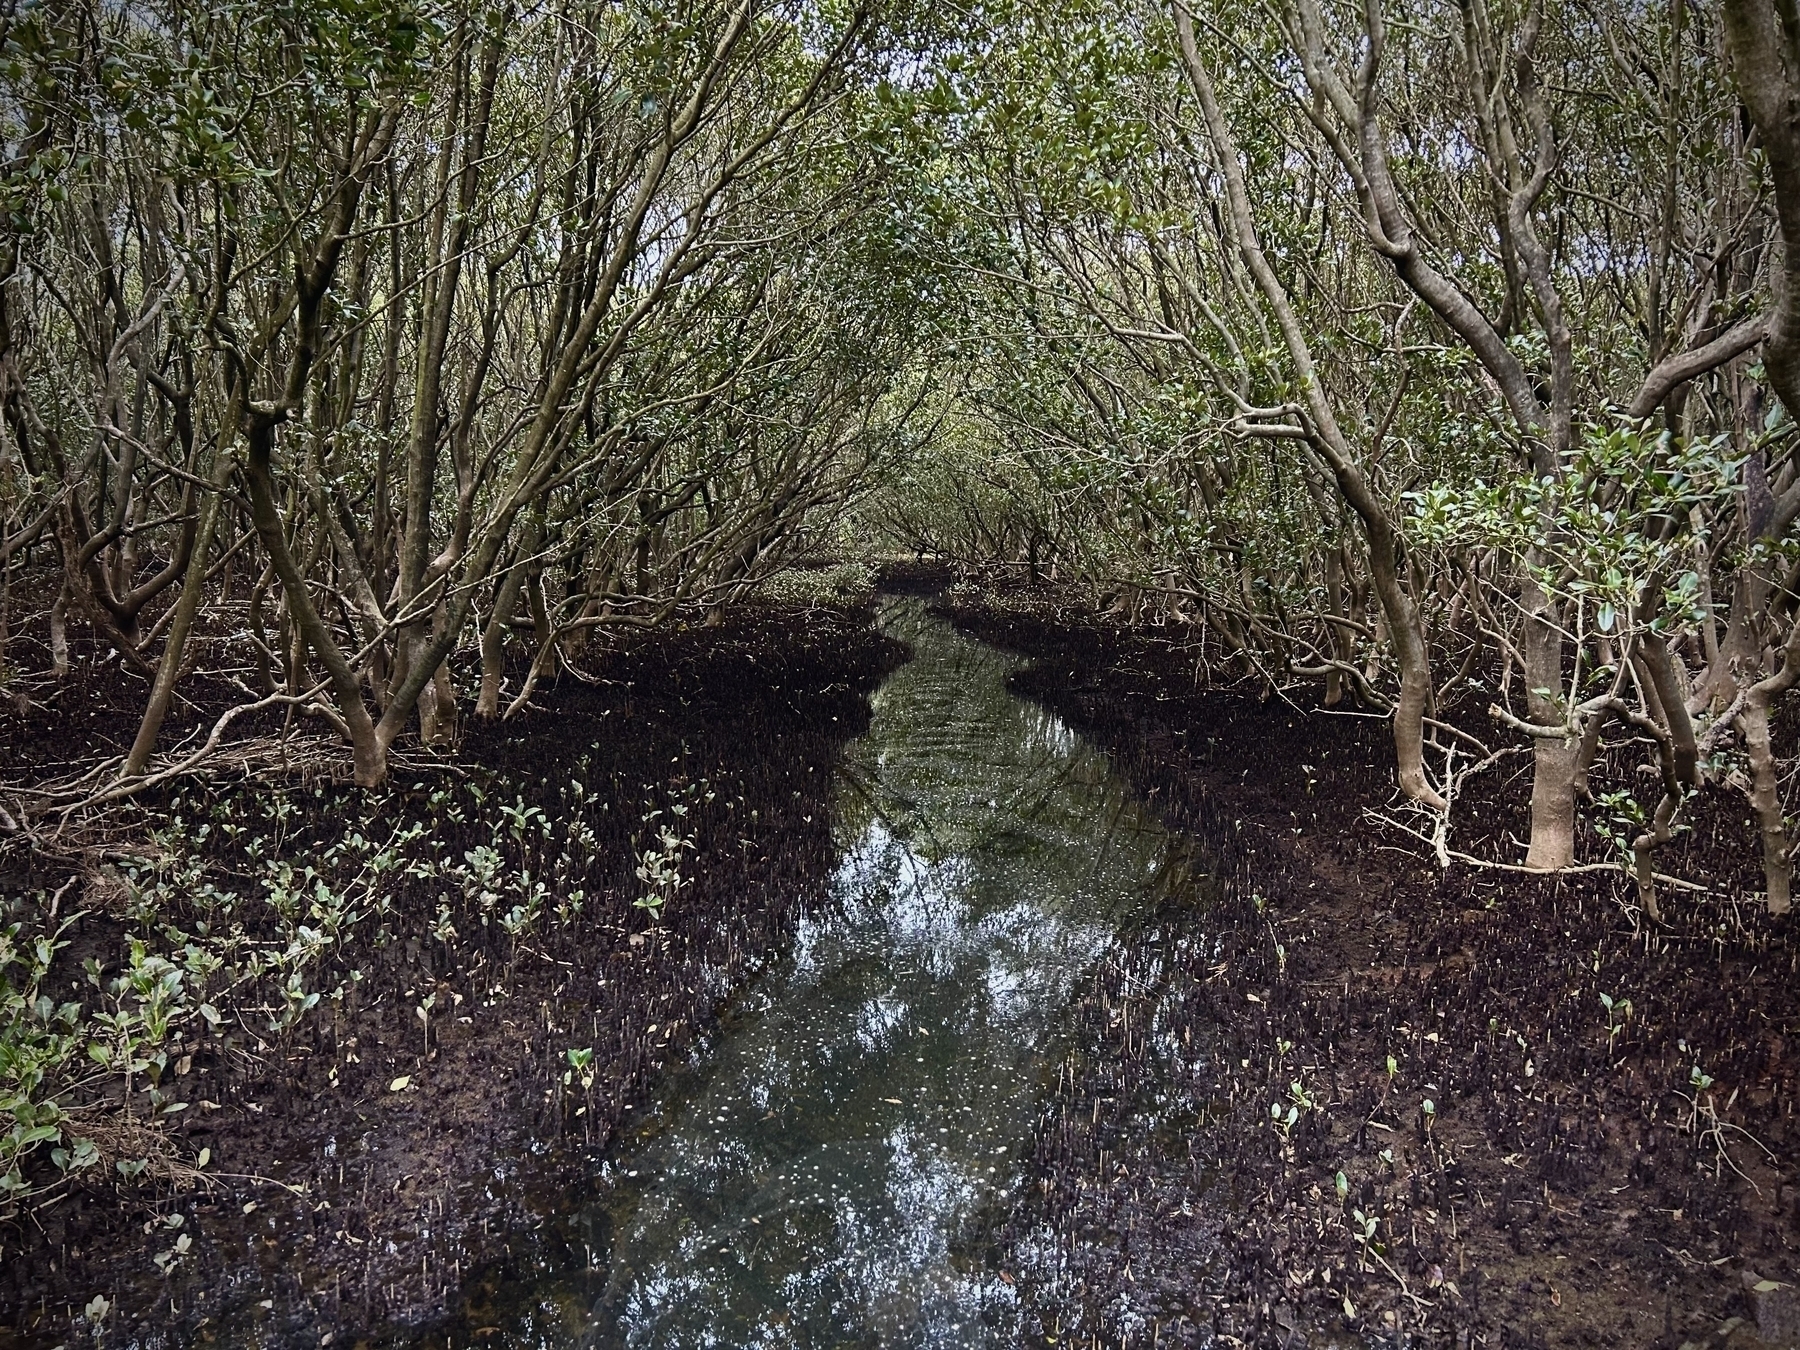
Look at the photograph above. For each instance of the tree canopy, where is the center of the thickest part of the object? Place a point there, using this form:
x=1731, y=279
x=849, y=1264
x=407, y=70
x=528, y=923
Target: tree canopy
x=366, y=354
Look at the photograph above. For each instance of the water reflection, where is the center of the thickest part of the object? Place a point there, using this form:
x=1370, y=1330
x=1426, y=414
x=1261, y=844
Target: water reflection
x=809, y=1181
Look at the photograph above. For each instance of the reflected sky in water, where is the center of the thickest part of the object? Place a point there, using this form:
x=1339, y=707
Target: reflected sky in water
x=819, y=1176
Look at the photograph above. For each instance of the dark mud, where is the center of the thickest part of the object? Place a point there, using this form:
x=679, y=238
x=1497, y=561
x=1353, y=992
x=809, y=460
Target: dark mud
x=334, y=1208
x=825, y=1169
x=1569, y=1186
x=1571, y=1182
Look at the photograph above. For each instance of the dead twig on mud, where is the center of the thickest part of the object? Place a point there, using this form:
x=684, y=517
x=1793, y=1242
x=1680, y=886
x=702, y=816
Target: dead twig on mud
x=1447, y=855
x=257, y=754
x=133, y=786
x=1714, y=1132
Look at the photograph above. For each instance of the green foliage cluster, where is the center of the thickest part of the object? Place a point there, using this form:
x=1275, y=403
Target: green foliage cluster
x=845, y=583
x=223, y=935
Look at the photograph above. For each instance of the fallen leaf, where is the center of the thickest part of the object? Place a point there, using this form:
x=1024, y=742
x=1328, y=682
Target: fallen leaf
x=400, y=1084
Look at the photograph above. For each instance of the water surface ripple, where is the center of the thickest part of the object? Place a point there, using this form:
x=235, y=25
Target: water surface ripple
x=819, y=1175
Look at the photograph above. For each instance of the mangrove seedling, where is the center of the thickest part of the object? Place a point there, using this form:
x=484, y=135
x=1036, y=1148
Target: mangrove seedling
x=1618, y=1013
x=581, y=1061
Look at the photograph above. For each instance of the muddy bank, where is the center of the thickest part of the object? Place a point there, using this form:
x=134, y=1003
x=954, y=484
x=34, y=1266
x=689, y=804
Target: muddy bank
x=824, y=1174
x=1362, y=1101
x=394, y=1152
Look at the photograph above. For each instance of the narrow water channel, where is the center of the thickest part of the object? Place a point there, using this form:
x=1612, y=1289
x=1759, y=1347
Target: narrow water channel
x=820, y=1174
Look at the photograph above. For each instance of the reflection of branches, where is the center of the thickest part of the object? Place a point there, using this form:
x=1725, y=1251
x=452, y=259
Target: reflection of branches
x=1025, y=790
x=873, y=797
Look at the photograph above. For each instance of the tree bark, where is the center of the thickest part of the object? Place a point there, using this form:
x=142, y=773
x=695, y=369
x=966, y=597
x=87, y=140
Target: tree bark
x=1554, y=760
x=368, y=754
x=1765, y=800
x=1765, y=772
x=187, y=606
x=1397, y=604
x=1764, y=42
x=499, y=625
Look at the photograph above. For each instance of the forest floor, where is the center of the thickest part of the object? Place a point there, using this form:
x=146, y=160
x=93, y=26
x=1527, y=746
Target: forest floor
x=369, y=1167
x=1361, y=1100
x=1242, y=1156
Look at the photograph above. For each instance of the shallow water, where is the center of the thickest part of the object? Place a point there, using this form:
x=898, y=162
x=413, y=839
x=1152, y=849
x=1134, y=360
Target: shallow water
x=820, y=1174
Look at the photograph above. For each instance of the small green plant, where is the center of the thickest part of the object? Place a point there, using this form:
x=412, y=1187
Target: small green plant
x=1698, y=1083
x=424, y=1012
x=519, y=817
x=659, y=869
x=1618, y=1013
x=39, y=1041
x=522, y=917
x=1623, y=823
x=166, y=1261
x=481, y=878
x=1299, y=1100
x=581, y=1064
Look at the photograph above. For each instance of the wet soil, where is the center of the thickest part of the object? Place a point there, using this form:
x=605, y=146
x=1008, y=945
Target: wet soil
x=824, y=1170
x=335, y=1208
x=1570, y=1185
x=1234, y=1162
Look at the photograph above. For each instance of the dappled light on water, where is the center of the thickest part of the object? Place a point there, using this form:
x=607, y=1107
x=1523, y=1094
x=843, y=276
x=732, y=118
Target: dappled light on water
x=824, y=1171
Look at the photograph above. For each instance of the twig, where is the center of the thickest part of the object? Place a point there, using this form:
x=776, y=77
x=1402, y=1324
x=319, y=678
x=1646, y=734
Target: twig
x=120, y=791
x=1572, y=869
